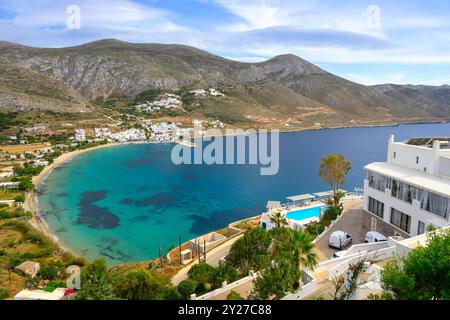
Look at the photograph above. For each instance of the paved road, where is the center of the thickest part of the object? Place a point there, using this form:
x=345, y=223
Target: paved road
x=351, y=222
x=212, y=257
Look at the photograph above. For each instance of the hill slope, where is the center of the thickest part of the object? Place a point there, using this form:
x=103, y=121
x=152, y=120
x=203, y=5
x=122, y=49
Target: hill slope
x=284, y=90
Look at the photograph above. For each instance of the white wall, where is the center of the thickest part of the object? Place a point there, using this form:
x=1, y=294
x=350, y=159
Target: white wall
x=417, y=214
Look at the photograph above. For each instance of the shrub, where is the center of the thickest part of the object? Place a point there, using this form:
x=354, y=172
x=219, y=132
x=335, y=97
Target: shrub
x=142, y=285
x=26, y=185
x=202, y=274
x=224, y=272
x=233, y=295
x=186, y=288
x=69, y=259
x=251, y=251
x=4, y=293
x=4, y=215
x=52, y=271
x=20, y=198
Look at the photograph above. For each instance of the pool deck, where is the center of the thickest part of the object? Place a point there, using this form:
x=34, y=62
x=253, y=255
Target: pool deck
x=285, y=210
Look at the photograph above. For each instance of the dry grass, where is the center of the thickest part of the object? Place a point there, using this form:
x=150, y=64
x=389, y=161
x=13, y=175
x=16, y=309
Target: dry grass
x=9, y=195
x=16, y=284
x=24, y=147
x=9, y=235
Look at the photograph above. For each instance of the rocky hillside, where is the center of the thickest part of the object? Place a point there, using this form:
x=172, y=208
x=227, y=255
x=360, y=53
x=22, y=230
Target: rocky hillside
x=285, y=90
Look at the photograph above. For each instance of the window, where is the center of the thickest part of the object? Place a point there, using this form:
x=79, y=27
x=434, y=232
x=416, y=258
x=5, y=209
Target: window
x=403, y=191
x=395, y=155
x=421, y=228
x=401, y=220
x=434, y=203
x=417, y=160
x=376, y=207
x=377, y=181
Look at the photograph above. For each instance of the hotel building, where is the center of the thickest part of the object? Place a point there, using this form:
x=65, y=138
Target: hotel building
x=411, y=191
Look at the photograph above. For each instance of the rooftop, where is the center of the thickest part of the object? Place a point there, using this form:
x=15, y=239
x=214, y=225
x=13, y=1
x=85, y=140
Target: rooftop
x=428, y=142
x=26, y=294
x=414, y=177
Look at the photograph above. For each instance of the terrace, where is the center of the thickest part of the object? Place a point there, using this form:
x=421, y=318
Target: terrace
x=300, y=210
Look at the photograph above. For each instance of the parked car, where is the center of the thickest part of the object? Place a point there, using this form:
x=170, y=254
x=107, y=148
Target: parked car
x=339, y=239
x=373, y=236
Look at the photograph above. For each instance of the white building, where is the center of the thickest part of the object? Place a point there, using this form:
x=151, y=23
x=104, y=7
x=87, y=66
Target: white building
x=40, y=163
x=102, y=132
x=4, y=175
x=9, y=185
x=57, y=294
x=80, y=135
x=131, y=135
x=410, y=191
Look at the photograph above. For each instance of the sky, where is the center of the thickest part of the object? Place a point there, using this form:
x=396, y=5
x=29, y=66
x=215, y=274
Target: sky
x=369, y=42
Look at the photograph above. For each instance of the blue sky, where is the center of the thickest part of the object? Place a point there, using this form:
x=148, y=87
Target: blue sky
x=370, y=42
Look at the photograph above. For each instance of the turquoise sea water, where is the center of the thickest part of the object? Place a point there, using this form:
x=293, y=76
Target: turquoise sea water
x=125, y=202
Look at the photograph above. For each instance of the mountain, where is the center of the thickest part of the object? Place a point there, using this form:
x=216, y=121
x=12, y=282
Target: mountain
x=284, y=91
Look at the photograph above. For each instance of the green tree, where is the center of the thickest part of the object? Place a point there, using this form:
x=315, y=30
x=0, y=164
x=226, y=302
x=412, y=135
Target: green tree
x=52, y=271
x=96, y=282
x=223, y=272
x=26, y=185
x=423, y=274
x=201, y=273
x=278, y=219
x=186, y=288
x=333, y=170
x=276, y=281
x=141, y=285
x=20, y=198
x=251, y=251
x=98, y=289
x=302, y=248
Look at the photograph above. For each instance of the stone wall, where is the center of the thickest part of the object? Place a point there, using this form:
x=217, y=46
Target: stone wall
x=382, y=227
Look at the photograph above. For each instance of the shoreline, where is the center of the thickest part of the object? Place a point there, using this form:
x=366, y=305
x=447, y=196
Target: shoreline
x=31, y=201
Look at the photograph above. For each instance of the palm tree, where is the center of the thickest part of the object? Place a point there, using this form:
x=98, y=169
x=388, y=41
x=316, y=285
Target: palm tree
x=302, y=247
x=333, y=170
x=278, y=219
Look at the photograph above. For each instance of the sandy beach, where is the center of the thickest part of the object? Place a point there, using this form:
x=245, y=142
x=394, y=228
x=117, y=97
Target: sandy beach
x=31, y=201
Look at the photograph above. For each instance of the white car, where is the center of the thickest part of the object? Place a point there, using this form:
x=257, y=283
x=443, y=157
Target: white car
x=373, y=236
x=339, y=239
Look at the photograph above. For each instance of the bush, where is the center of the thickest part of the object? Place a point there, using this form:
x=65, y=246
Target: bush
x=142, y=285
x=186, y=288
x=224, y=272
x=69, y=259
x=20, y=198
x=26, y=185
x=4, y=215
x=233, y=295
x=52, y=285
x=4, y=293
x=251, y=251
x=52, y=271
x=202, y=274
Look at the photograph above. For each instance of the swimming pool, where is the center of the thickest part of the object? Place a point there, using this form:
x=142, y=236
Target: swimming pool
x=306, y=213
